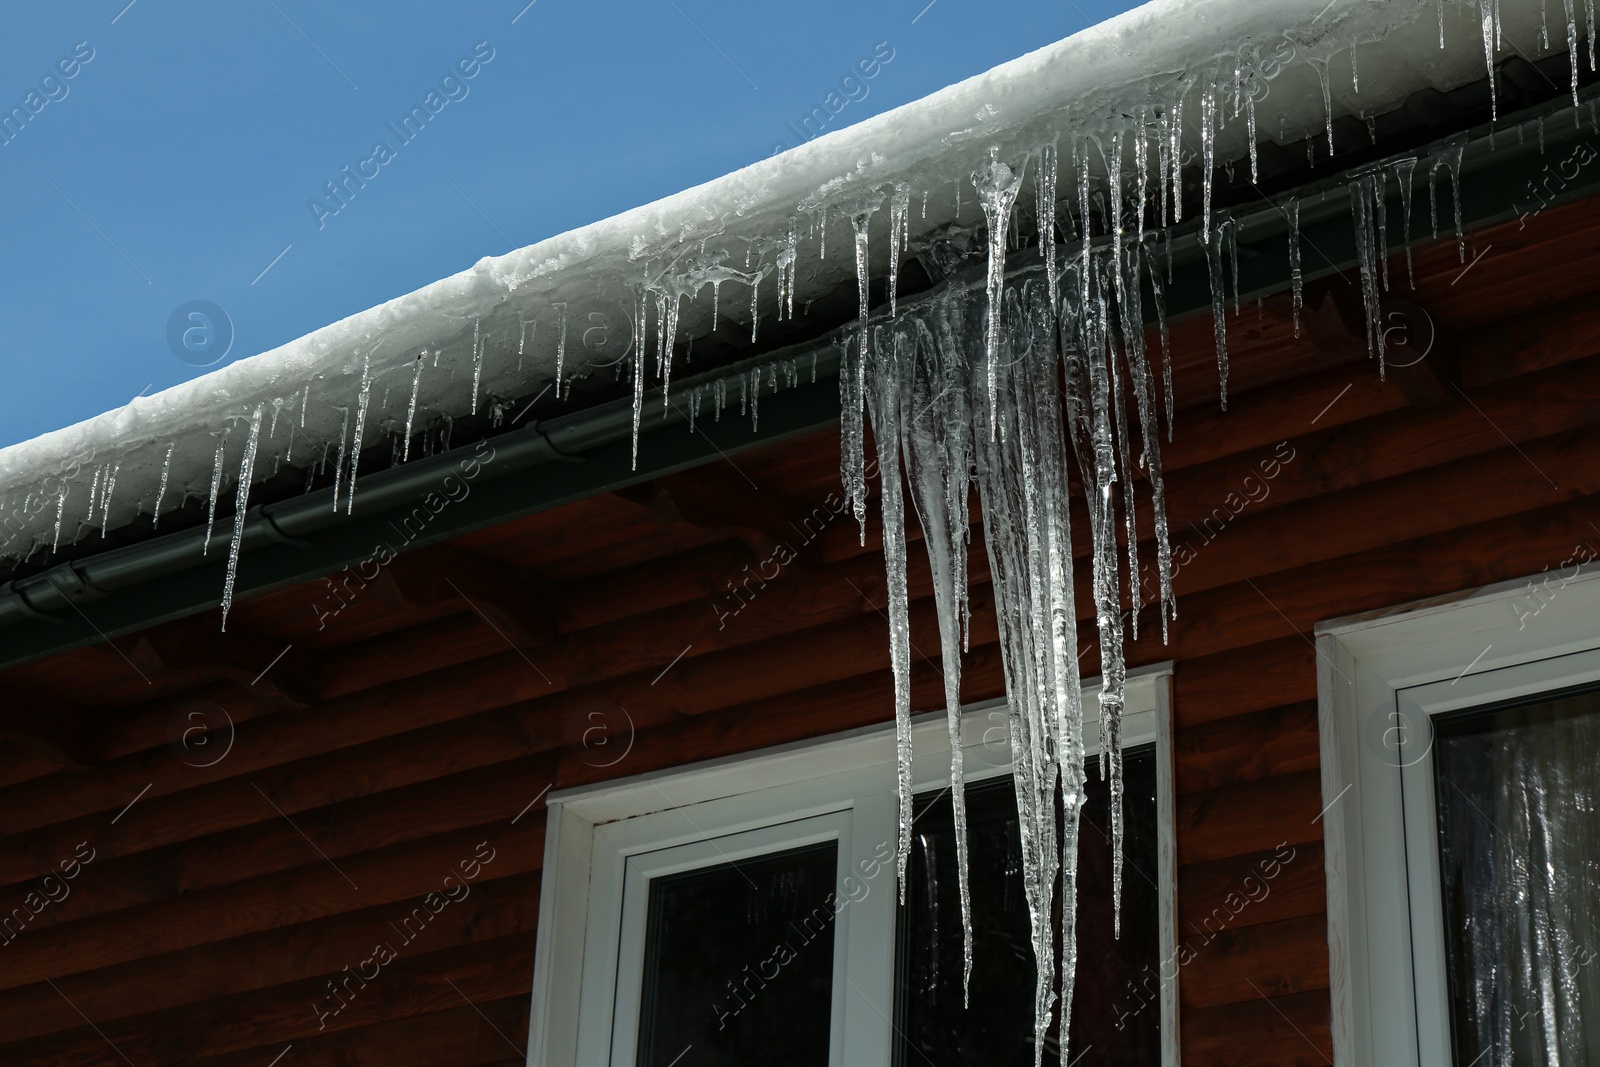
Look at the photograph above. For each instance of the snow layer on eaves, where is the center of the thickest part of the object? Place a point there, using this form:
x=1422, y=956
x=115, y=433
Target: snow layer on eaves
x=512, y=308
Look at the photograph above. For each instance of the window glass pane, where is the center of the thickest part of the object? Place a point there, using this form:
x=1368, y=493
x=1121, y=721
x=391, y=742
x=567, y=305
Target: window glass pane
x=738, y=965
x=1115, y=1019
x=1516, y=789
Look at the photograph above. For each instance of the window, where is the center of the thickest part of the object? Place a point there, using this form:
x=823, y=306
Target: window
x=996, y=1025
x=1461, y=766
x=1514, y=788
x=746, y=910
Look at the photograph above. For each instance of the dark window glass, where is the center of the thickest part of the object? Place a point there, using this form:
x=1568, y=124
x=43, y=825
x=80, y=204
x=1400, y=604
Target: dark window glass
x=1516, y=788
x=1116, y=1016
x=738, y=964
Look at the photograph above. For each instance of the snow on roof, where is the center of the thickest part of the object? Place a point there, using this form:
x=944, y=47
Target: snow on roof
x=503, y=327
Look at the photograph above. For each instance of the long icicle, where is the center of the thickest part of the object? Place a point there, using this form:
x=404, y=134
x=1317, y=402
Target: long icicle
x=361, y=424
x=211, y=503
x=997, y=192
x=885, y=407
x=246, y=473
x=936, y=431
x=1296, y=279
x=1153, y=271
x=1213, y=241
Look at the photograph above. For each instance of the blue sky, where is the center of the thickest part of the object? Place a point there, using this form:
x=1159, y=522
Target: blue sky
x=171, y=149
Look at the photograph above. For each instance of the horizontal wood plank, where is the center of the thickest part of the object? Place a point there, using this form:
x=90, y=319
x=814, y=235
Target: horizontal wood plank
x=1245, y=748
x=1257, y=887
x=1291, y=1031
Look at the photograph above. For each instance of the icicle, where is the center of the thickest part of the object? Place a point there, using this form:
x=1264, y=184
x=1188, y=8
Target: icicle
x=216, y=486
x=1403, y=171
x=1433, y=198
x=1572, y=44
x=1141, y=166
x=1019, y=486
x=246, y=471
x=161, y=493
x=1296, y=279
x=1114, y=192
x=1212, y=242
x=477, y=362
x=1355, y=75
x=936, y=430
x=1092, y=441
x=1166, y=337
x=1380, y=215
x=1250, y=133
x=1044, y=188
x=361, y=425
x=338, y=467
x=94, y=493
x=755, y=305
x=561, y=342
x=885, y=408
x=1321, y=67
x=669, y=341
x=61, y=509
x=794, y=267
x=477, y=369
x=1175, y=131
x=1111, y=290
x=1362, y=192
x=1450, y=160
x=1588, y=14
x=899, y=205
x=859, y=222
x=997, y=192
x=1208, y=139
x=754, y=391
x=1233, y=261
x=1490, y=23
x=105, y=503
x=852, y=432
x=1150, y=455
x=641, y=335
x=411, y=408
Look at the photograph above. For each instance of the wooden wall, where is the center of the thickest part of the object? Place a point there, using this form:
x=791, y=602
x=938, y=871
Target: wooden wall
x=236, y=874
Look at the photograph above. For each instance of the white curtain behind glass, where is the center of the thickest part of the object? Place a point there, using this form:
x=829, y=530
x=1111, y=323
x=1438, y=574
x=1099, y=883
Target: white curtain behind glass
x=1520, y=843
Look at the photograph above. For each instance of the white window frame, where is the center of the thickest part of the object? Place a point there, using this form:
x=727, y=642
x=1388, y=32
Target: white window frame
x=1381, y=678
x=840, y=788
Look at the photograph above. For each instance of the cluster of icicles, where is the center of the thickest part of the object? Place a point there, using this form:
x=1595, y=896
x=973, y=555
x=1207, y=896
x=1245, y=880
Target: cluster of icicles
x=1012, y=391
x=1011, y=385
